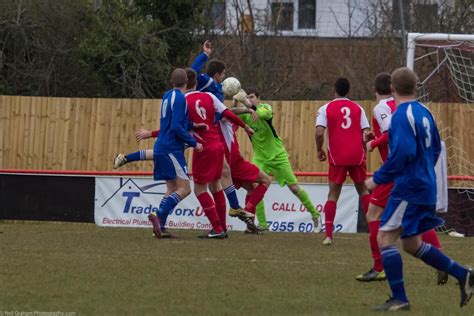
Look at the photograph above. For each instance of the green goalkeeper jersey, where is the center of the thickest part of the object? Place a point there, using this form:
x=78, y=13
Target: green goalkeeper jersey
x=265, y=141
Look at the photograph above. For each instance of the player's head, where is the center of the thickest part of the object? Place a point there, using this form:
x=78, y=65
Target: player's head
x=216, y=70
x=342, y=87
x=192, y=79
x=253, y=95
x=382, y=84
x=179, y=79
x=404, y=82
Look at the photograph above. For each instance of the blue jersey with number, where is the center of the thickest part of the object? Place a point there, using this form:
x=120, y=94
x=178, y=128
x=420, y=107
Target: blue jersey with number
x=415, y=145
x=174, y=124
x=204, y=82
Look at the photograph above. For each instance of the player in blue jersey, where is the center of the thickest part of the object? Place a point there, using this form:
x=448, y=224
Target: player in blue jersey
x=168, y=152
x=414, y=149
x=211, y=79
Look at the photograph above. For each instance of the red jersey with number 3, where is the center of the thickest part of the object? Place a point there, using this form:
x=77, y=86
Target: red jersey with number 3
x=204, y=107
x=344, y=120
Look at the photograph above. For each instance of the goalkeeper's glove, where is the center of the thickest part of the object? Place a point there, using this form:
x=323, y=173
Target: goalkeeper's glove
x=241, y=96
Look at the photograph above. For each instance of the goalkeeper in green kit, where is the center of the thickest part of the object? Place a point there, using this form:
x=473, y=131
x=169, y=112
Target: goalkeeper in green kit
x=269, y=152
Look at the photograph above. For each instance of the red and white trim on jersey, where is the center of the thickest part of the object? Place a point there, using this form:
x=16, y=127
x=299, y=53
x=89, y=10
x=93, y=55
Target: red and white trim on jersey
x=382, y=116
x=383, y=112
x=227, y=133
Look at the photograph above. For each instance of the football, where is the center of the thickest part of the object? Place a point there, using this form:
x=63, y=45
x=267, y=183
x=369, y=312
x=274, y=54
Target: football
x=230, y=86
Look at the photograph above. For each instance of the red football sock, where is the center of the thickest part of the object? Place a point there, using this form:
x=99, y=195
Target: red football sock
x=247, y=197
x=431, y=237
x=255, y=198
x=221, y=207
x=329, y=215
x=209, y=208
x=374, y=247
x=365, y=200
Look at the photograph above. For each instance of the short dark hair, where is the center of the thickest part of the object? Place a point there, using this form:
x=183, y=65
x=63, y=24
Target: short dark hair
x=404, y=81
x=342, y=86
x=382, y=83
x=215, y=66
x=254, y=91
x=179, y=79
x=192, y=78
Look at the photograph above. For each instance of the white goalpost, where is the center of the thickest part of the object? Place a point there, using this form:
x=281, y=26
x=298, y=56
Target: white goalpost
x=453, y=50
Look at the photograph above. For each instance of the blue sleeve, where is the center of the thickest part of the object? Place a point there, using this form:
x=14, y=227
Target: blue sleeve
x=190, y=124
x=202, y=81
x=402, y=144
x=199, y=62
x=179, y=116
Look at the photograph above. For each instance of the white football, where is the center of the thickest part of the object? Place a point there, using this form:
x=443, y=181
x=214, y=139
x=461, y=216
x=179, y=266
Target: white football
x=231, y=86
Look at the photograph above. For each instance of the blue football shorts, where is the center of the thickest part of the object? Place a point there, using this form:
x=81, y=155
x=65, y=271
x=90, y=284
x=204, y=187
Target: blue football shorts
x=170, y=166
x=414, y=219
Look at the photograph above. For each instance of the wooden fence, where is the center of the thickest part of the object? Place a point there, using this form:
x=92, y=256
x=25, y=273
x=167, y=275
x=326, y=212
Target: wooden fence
x=85, y=134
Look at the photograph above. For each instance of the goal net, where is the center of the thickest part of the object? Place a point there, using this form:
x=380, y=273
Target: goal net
x=444, y=65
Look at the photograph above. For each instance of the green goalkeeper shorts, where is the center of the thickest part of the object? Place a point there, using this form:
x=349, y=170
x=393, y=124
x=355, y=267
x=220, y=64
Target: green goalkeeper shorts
x=279, y=168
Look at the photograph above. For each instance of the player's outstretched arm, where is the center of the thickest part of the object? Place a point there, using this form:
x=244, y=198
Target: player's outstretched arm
x=238, y=110
x=228, y=114
x=207, y=48
x=202, y=58
x=241, y=97
x=142, y=134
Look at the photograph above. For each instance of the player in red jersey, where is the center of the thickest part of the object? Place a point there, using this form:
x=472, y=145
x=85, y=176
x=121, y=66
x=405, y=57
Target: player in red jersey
x=205, y=108
x=345, y=122
x=381, y=118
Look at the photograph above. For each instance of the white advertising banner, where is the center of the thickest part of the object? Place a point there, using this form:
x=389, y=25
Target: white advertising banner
x=126, y=202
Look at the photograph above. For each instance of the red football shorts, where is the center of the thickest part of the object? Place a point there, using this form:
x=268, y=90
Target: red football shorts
x=338, y=174
x=207, y=164
x=381, y=194
x=243, y=171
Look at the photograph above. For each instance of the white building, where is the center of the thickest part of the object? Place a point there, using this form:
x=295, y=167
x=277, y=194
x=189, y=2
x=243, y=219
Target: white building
x=319, y=18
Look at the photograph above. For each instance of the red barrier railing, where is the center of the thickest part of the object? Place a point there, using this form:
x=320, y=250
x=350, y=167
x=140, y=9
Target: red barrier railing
x=149, y=173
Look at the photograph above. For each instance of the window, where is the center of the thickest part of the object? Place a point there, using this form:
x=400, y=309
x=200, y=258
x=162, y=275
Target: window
x=396, y=23
x=426, y=16
x=217, y=15
x=307, y=14
x=282, y=16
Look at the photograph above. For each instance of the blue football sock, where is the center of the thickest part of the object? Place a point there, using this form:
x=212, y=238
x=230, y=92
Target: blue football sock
x=136, y=156
x=393, y=266
x=231, y=194
x=163, y=200
x=438, y=260
x=167, y=206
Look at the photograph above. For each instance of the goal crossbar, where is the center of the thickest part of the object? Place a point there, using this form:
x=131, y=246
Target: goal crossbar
x=413, y=38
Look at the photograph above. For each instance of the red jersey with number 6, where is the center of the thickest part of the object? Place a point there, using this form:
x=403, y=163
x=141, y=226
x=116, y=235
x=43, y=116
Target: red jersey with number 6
x=205, y=108
x=344, y=120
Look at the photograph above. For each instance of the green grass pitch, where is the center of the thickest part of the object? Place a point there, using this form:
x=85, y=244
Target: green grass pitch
x=114, y=271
